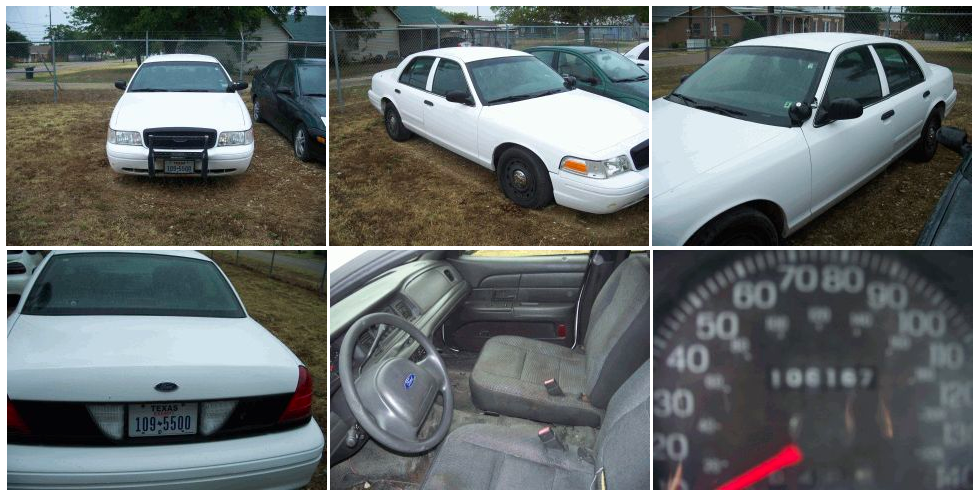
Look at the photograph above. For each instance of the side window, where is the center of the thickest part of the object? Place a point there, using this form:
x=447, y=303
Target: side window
x=273, y=71
x=545, y=57
x=448, y=77
x=288, y=77
x=416, y=73
x=573, y=65
x=902, y=71
x=645, y=54
x=854, y=76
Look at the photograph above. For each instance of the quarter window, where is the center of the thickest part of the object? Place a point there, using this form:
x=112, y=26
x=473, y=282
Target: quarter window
x=448, y=77
x=645, y=54
x=416, y=73
x=900, y=68
x=854, y=76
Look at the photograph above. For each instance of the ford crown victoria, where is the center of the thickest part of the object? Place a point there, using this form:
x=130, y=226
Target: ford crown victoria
x=776, y=130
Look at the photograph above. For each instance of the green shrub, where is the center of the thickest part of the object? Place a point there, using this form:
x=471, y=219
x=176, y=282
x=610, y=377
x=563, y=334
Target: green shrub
x=753, y=29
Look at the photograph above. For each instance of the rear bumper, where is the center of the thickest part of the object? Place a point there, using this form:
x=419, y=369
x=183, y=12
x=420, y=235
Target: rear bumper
x=600, y=195
x=374, y=100
x=224, y=160
x=281, y=460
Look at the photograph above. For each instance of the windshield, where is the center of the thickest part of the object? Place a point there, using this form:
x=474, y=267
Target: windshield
x=131, y=284
x=618, y=67
x=313, y=80
x=754, y=83
x=202, y=77
x=507, y=79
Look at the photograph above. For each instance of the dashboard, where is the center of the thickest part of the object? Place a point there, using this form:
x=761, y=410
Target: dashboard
x=812, y=369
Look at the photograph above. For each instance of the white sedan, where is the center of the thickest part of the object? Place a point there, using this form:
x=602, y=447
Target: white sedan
x=640, y=55
x=776, y=130
x=180, y=115
x=20, y=267
x=142, y=369
x=511, y=113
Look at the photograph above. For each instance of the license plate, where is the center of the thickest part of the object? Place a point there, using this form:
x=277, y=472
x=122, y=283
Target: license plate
x=178, y=166
x=162, y=419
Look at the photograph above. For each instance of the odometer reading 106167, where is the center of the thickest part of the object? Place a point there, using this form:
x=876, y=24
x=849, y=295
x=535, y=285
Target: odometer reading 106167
x=812, y=369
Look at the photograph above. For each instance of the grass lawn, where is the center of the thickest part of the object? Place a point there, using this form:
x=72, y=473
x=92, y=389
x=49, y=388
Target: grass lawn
x=108, y=76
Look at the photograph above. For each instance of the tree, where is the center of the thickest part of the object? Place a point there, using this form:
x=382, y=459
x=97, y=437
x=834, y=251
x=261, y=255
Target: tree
x=22, y=47
x=753, y=29
x=458, y=17
x=573, y=16
x=946, y=27
x=863, y=19
x=358, y=20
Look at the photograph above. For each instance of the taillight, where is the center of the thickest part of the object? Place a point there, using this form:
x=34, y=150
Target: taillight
x=15, y=423
x=300, y=406
x=16, y=269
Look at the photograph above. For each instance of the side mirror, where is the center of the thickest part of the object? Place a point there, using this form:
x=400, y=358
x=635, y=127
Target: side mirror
x=120, y=84
x=844, y=109
x=683, y=78
x=570, y=82
x=458, y=96
x=953, y=139
x=799, y=113
x=237, y=86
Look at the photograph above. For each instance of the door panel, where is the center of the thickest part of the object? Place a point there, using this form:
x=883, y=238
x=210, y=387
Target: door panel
x=533, y=297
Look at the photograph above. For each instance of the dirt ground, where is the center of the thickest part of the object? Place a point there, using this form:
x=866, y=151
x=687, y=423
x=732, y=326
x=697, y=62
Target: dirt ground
x=61, y=191
x=891, y=209
x=417, y=193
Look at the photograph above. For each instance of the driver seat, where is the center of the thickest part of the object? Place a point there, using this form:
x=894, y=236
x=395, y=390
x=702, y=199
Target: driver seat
x=489, y=457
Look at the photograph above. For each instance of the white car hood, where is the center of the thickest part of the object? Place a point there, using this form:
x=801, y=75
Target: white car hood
x=567, y=121
x=220, y=111
x=687, y=142
x=122, y=358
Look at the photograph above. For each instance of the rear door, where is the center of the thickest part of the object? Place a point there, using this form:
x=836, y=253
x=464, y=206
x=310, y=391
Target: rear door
x=531, y=294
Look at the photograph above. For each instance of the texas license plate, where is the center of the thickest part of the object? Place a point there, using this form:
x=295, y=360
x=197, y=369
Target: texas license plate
x=162, y=419
x=178, y=166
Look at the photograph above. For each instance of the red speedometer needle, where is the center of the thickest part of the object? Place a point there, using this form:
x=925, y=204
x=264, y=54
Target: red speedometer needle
x=787, y=457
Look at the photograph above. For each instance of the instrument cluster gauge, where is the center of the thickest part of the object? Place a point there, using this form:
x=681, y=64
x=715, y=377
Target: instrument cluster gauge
x=812, y=369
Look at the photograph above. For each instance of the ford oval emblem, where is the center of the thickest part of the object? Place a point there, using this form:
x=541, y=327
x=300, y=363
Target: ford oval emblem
x=409, y=381
x=166, y=386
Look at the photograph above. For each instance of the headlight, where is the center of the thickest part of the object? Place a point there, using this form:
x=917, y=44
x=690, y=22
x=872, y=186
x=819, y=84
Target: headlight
x=236, y=138
x=596, y=169
x=128, y=138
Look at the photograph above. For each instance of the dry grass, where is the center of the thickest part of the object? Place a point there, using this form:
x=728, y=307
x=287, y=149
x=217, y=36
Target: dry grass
x=107, y=76
x=298, y=318
x=61, y=191
x=417, y=193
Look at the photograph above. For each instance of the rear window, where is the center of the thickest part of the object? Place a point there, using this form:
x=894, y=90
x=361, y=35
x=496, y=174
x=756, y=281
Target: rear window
x=131, y=284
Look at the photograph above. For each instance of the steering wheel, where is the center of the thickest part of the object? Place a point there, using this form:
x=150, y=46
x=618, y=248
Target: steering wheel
x=392, y=398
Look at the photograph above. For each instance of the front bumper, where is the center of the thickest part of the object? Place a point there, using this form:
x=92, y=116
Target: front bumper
x=222, y=160
x=281, y=460
x=317, y=149
x=600, y=195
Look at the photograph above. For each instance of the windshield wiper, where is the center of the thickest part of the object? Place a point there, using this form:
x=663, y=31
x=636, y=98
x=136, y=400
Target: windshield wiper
x=630, y=79
x=720, y=110
x=527, y=96
x=685, y=99
x=315, y=94
x=149, y=90
x=193, y=91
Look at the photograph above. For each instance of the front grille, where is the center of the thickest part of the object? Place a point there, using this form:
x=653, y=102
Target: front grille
x=16, y=268
x=180, y=138
x=640, y=156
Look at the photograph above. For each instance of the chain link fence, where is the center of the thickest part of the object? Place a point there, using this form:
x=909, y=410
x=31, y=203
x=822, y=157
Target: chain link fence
x=687, y=41
x=91, y=64
x=305, y=269
x=358, y=54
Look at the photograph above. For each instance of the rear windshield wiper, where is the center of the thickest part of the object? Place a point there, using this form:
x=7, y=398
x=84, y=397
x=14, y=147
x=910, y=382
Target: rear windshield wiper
x=720, y=110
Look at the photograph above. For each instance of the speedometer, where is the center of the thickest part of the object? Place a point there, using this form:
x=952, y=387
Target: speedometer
x=812, y=369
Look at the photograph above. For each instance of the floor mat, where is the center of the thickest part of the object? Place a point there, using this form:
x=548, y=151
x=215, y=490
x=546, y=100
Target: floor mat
x=460, y=366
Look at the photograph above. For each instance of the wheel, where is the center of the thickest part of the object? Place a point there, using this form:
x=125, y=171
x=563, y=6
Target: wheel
x=926, y=146
x=395, y=128
x=256, y=111
x=741, y=226
x=300, y=143
x=524, y=179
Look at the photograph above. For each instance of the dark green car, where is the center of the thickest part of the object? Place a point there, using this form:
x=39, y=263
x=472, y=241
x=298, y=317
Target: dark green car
x=600, y=71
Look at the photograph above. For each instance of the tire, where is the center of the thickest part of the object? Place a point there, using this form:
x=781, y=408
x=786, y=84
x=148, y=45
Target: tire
x=742, y=226
x=524, y=179
x=300, y=143
x=395, y=128
x=926, y=146
x=256, y=111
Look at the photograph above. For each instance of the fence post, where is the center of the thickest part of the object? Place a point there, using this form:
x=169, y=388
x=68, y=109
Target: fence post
x=322, y=282
x=336, y=64
x=271, y=267
x=241, y=65
x=147, y=43
x=437, y=33
x=54, y=67
x=237, y=256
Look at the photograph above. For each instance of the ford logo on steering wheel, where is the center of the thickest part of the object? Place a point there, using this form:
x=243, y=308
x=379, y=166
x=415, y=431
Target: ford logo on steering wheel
x=409, y=381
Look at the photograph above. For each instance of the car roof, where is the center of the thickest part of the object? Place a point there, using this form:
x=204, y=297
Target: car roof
x=569, y=48
x=180, y=57
x=310, y=61
x=821, y=42
x=473, y=53
x=163, y=252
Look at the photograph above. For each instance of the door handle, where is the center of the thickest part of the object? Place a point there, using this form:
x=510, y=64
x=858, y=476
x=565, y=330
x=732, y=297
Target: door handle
x=888, y=115
x=926, y=94
x=397, y=91
x=430, y=104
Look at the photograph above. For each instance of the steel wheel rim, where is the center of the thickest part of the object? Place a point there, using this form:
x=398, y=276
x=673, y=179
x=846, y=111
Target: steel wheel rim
x=300, y=143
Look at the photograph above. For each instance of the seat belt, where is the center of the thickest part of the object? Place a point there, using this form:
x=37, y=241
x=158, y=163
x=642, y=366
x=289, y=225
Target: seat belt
x=601, y=264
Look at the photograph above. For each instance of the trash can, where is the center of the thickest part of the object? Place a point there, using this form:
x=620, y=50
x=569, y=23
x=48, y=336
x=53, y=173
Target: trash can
x=29, y=72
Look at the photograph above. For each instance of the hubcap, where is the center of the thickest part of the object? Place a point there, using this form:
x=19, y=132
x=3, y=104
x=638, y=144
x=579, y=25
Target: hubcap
x=391, y=123
x=300, y=142
x=519, y=179
x=256, y=111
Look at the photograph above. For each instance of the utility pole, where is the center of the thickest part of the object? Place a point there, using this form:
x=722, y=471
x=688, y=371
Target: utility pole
x=54, y=55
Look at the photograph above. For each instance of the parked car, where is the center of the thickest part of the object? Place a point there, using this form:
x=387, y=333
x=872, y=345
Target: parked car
x=20, y=267
x=600, y=71
x=773, y=131
x=509, y=112
x=291, y=96
x=950, y=224
x=640, y=55
x=180, y=115
x=142, y=369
